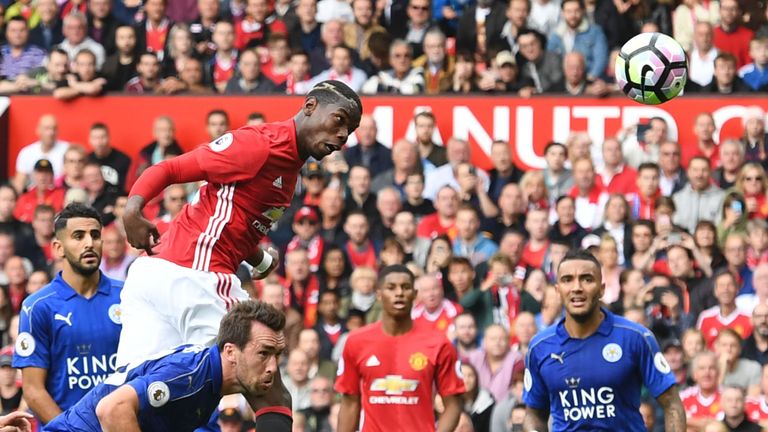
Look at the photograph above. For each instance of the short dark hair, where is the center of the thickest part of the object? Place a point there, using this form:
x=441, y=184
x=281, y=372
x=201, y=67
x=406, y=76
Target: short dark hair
x=395, y=268
x=57, y=50
x=334, y=92
x=329, y=292
x=537, y=34
x=236, y=325
x=580, y=2
x=460, y=261
x=217, y=112
x=579, y=255
x=426, y=114
x=75, y=210
x=724, y=272
x=256, y=116
x=700, y=158
x=646, y=223
x=554, y=144
x=18, y=18
x=11, y=188
x=100, y=125
x=726, y=56
x=648, y=166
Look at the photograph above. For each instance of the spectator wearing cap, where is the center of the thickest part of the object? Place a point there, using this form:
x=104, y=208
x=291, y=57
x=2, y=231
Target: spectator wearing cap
x=368, y=152
x=574, y=33
x=313, y=181
x=438, y=66
x=306, y=227
x=699, y=199
x=10, y=391
x=18, y=55
x=509, y=79
x=47, y=147
x=44, y=192
x=755, y=347
x=230, y=420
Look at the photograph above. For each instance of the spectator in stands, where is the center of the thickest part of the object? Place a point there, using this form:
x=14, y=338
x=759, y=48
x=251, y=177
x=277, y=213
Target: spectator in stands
x=699, y=199
x=360, y=249
x=733, y=369
x=115, y=164
x=566, y=229
x=641, y=143
x=754, y=134
x=414, y=29
x=203, y=27
x=257, y=25
x=368, y=152
x=309, y=342
x=15, y=270
x=432, y=155
x=101, y=195
x=731, y=157
x=120, y=66
x=305, y=35
x=437, y=65
x=276, y=67
x=542, y=67
x=465, y=77
x=712, y=321
x=458, y=154
x=733, y=402
x=687, y=19
x=405, y=161
x=614, y=174
x=511, y=215
x=18, y=55
x=21, y=233
x=48, y=146
x=43, y=192
x=701, y=60
x=575, y=81
x=360, y=196
x=755, y=347
x=331, y=215
x=115, y=261
x=47, y=33
x=220, y=67
x=341, y=69
x=588, y=39
x=754, y=74
x=517, y=14
x=479, y=29
x=317, y=414
x=704, y=131
x=301, y=285
x=478, y=402
x=466, y=341
x=174, y=199
x=495, y=363
x=616, y=223
x=76, y=38
x=148, y=78
x=307, y=229
x=179, y=46
x=358, y=32
x=731, y=36
x=643, y=200
x=747, y=302
x=189, y=81
x=443, y=220
x=402, y=78
x=249, y=80
x=275, y=294
x=588, y=194
x=163, y=146
x=42, y=227
x=725, y=80
x=672, y=176
x=331, y=36
x=388, y=204
x=702, y=401
x=84, y=81
x=469, y=243
x=153, y=31
x=102, y=24
x=472, y=187
x=433, y=309
x=297, y=379
x=74, y=162
x=504, y=170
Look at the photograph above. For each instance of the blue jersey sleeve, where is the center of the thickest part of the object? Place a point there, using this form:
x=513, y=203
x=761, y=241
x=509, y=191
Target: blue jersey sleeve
x=34, y=341
x=535, y=393
x=657, y=374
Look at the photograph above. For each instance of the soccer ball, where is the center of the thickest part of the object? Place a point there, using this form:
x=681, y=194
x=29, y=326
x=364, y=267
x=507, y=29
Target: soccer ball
x=651, y=68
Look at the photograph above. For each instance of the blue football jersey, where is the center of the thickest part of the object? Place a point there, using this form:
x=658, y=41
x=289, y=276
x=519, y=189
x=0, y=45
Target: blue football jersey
x=594, y=384
x=178, y=390
x=73, y=337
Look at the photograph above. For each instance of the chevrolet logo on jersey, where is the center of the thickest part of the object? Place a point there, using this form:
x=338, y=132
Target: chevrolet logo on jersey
x=393, y=387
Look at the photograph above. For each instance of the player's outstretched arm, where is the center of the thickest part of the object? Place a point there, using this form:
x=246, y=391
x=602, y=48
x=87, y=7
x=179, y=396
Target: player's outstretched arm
x=674, y=413
x=536, y=420
x=349, y=413
x=119, y=410
x=36, y=395
x=452, y=411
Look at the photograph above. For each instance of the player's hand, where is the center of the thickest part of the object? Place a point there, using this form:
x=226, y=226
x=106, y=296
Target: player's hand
x=275, y=262
x=141, y=233
x=17, y=421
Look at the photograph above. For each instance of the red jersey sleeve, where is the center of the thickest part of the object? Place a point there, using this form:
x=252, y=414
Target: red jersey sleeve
x=449, y=378
x=234, y=156
x=347, y=375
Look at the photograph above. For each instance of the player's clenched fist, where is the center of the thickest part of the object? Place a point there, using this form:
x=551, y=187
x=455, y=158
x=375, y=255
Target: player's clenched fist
x=141, y=233
x=269, y=262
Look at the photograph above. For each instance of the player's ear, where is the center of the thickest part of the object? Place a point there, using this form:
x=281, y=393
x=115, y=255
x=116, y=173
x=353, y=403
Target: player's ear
x=310, y=105
x=229, y=352
x=58, y=247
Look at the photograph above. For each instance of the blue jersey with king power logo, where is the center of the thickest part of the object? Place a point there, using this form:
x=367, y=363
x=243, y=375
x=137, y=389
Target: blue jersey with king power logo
x=594, y=384
x=73, y=337
x=178, y=390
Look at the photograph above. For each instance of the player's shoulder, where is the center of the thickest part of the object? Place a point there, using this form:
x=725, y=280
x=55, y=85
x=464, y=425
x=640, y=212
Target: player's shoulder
x=274, y=133
x=365, y=333
x=42, y=298
x=543, y=338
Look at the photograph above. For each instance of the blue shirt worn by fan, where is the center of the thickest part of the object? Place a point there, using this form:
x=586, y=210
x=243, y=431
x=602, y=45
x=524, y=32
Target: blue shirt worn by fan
x=178, y=390
x=74, y=338
x=594, y=384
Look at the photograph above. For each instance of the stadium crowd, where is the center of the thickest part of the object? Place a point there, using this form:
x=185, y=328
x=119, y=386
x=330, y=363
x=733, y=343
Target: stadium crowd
x=680, y=228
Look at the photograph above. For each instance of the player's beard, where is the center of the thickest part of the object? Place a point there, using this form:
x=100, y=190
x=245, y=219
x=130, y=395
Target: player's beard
x=82, y=269
x=586, y=315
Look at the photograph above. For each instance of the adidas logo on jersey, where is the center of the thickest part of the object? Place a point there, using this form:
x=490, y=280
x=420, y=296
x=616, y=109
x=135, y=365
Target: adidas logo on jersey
x=278, y=183
x=373, y=361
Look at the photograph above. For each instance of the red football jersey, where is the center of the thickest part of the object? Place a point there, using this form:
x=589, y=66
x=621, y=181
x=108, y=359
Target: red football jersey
x=756, y=409
x=251, y=175
x=439, y=320
x=698, y=406
x=394, y=376
x=711, y=322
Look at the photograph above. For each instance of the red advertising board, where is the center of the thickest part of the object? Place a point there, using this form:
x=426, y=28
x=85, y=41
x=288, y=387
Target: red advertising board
x=528, y=124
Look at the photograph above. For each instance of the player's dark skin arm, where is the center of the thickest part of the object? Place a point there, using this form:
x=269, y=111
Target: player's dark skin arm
x=349, y=413
x=452, y=411
x=674, y=413
x=36, y=395
x=536, y=420
x=118, y=412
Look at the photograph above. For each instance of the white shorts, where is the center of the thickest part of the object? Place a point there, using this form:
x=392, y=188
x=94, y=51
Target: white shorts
x=164, y=305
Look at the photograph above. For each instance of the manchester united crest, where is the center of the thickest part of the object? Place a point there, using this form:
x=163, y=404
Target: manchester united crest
x=418, y=361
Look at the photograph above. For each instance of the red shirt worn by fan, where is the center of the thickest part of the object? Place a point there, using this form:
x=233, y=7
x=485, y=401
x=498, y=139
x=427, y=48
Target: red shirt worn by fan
x=711, y=322
x=394, y=376
x=251, y=175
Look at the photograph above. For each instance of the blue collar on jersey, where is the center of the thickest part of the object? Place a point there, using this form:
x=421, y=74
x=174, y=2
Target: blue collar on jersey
x=217, y=374
x=67, y=292
x=604, y=329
